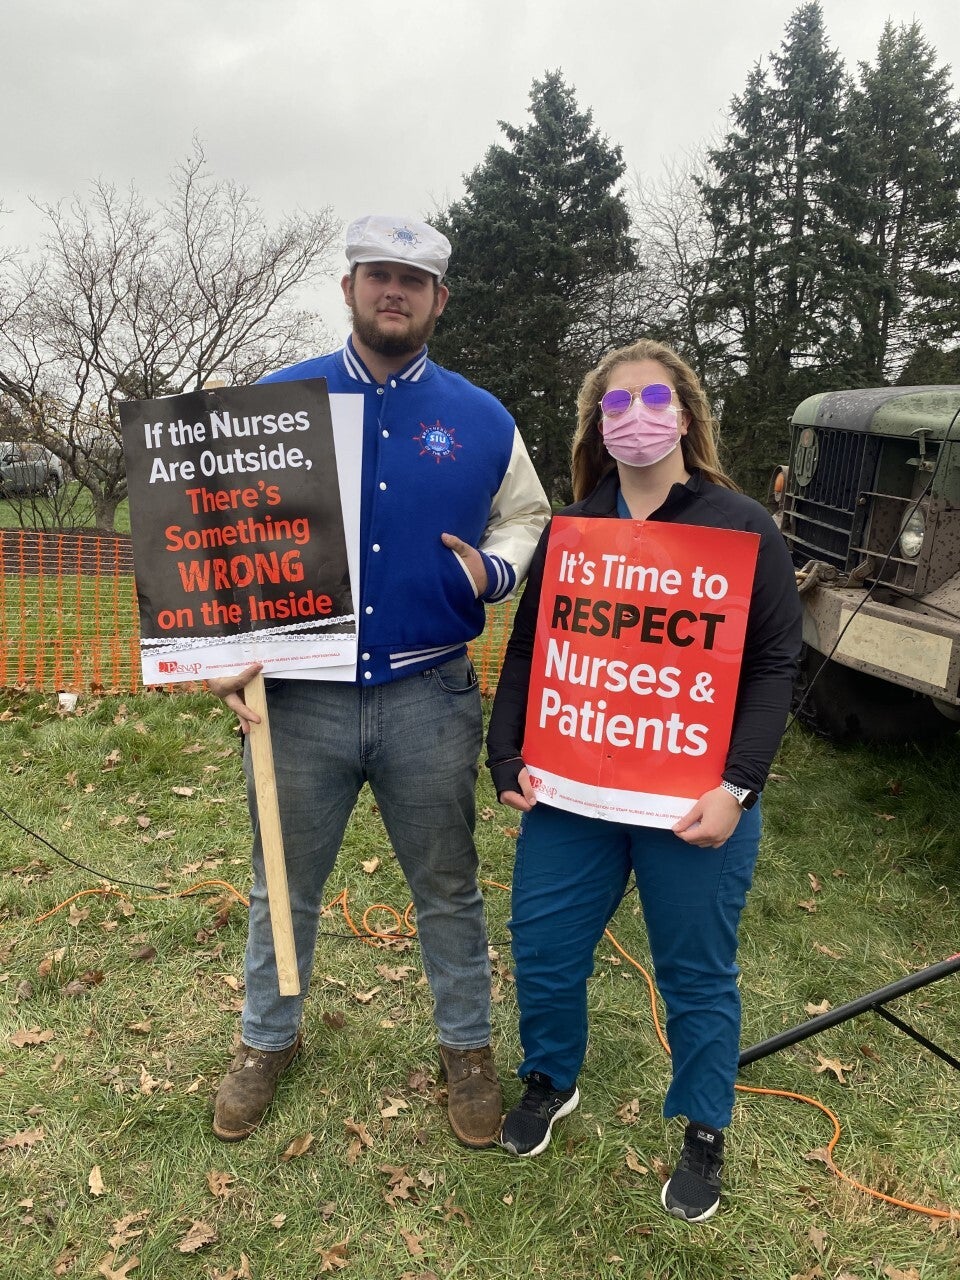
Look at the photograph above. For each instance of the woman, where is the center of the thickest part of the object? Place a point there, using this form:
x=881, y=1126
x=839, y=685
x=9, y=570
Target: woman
x=645, y=450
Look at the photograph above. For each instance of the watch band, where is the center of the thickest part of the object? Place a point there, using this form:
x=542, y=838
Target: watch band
x=744, y=797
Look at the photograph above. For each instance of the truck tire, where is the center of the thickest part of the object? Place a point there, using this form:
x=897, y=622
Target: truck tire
x=850, y=706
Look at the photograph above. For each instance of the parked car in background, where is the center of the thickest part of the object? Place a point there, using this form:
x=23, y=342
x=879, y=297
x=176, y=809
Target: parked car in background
x=28, y=469
x=870, y=508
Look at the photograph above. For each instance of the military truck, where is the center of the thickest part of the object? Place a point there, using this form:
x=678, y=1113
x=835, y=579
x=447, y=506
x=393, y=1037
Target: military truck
x=870, y=507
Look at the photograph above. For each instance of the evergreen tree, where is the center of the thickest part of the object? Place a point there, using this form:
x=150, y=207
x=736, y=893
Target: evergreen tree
x=780, y=202
x=540, y=271
x=904, y=125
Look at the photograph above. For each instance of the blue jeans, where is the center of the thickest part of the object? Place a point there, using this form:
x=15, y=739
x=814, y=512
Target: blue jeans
x=570, y=875
x=416, y=741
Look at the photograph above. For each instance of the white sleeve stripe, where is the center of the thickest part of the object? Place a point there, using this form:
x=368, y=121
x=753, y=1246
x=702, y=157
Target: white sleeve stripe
x=407, y=659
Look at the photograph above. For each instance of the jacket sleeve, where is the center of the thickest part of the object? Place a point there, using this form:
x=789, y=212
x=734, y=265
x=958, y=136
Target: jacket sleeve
x=518, y=513
x=508, y=718
x=770, y=656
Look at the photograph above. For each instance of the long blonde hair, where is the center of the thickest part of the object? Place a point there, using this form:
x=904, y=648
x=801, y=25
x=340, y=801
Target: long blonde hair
x=590, y=459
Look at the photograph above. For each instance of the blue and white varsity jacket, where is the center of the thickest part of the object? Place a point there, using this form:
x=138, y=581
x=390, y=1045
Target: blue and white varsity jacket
x=439, y=456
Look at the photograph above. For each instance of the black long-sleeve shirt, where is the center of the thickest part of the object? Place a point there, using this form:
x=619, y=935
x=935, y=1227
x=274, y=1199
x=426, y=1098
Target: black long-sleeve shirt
x=771, y=645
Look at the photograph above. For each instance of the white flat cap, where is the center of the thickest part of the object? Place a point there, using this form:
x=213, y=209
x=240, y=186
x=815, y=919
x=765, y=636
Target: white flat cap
x=382, y=238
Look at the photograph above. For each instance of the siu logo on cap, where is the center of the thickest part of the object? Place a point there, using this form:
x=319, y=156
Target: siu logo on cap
x=437, y=441
x=403, y=235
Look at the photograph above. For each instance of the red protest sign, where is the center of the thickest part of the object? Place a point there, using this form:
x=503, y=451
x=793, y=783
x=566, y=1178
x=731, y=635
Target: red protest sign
x=636, y=665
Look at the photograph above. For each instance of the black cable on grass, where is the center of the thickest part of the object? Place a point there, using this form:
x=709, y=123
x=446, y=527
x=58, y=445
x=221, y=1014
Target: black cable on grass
x=156, y=889
x=135, y=884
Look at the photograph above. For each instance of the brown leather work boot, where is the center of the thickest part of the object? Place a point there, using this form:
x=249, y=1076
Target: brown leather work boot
x=474, y=1101
x=247, y=1090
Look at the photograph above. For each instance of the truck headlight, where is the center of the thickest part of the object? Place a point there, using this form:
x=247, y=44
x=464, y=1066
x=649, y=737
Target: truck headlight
x=911, y=535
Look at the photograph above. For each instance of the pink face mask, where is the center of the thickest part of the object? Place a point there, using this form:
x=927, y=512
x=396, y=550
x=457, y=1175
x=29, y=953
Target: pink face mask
x=641, y=436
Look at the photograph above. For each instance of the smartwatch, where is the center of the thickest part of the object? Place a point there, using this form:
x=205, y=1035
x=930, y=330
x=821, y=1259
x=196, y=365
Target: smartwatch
x=744, y=797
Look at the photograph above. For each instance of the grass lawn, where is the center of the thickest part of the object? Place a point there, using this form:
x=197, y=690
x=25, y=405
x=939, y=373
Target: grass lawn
x=119, y=1012
x=70, y=509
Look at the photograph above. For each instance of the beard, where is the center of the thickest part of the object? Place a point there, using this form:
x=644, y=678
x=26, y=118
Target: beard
x=390, y=344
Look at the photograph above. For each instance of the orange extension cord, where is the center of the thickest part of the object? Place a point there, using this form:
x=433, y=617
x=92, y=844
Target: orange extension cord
x=406, y=929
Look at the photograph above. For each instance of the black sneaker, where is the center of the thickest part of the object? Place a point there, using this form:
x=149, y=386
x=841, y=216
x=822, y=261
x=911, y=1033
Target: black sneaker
x=693, y=1192
x=526, y=1130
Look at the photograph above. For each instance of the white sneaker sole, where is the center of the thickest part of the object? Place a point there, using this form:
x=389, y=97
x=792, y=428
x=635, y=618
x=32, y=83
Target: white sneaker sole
x=570, y=1105
x=676, y=1213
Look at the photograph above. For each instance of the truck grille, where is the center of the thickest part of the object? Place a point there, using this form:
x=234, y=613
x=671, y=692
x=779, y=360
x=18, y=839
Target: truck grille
x=821, y=519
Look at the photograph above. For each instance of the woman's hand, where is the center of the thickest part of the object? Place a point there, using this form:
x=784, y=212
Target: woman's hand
x=712, y=820
x=522, y=800
x=230, y=689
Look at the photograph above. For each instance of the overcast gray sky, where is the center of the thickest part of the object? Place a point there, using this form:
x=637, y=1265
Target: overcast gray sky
x=371, y=105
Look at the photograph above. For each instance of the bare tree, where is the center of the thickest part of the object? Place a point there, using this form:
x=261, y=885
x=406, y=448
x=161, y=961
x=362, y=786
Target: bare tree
x=130, y=300
x=677, y=247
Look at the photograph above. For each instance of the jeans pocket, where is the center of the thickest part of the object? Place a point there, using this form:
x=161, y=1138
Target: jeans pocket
x=457, y=676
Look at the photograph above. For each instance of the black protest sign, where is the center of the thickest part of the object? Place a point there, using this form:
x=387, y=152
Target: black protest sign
x=238, y=532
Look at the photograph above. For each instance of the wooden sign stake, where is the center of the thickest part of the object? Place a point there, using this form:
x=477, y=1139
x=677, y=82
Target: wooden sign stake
x=271, y=836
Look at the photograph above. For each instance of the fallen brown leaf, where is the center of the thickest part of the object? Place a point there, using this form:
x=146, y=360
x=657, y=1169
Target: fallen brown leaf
x=393, y=1107
x=808, y=905
x=298, y=1146
x=894, y=1273
x=820, y=1155
x=95, y=1181
x=335, y=1258
x=220, y=1184
x=333, y=1019
x=128, y=1228
x=818, y=1238
x=814, y=1009
x=360, y=1132
x=148, y=1084
x=364, y=997
x=825, y=951
x=635, y=1164
x=419, y=1082
x=370, y=865
x=32, y=1036
x=399, y=974
x=834, y=1065
x=401, y=1185
x=65, y=1259
x=412, y=1241
x=198, y=1237
x=110, y=1272
x=22, y=1141
x=629, y=1112
x=452, y=1210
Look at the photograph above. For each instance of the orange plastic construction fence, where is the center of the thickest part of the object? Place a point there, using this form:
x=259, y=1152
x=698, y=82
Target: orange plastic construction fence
x=69, y=620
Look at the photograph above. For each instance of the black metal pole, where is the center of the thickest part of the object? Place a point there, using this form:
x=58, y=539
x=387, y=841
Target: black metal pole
x=844, y=1012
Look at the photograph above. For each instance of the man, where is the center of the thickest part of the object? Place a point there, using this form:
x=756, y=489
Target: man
x=451, y=511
